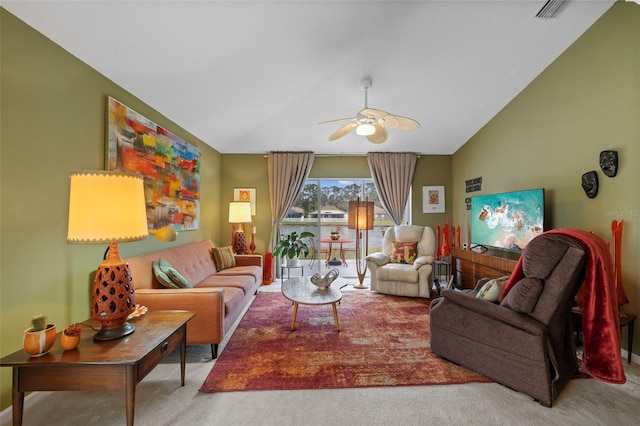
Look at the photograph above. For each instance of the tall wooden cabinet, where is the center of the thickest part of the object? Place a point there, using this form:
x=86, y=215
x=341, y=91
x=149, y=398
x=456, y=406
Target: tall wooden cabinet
x=469, y=266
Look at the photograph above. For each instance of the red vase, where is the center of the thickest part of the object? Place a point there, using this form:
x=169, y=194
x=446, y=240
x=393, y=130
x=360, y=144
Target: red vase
x=267, y=272
x=453, y=237
x=252, y=246
x=445, y=251
x=616, y=233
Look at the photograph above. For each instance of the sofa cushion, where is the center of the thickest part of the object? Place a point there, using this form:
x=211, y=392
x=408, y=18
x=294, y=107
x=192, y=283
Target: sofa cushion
x=244, y=282
x=174, y=275
x=524, y=295
x=491, y=290
x=162, y=277
x=398, y=272
x=224, y=257
x=250, y=270
x=404, y=252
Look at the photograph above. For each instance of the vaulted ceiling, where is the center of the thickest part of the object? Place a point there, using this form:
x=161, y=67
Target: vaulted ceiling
x=258, y=76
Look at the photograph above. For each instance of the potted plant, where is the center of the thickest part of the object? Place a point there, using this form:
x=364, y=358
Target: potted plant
x=335, y=235
x=40, y=337
x=70, y=337
x=292, y=246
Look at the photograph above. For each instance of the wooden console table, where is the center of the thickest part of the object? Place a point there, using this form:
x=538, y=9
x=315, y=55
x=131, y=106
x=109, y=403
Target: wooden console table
x=469, y=266
x=109, y=365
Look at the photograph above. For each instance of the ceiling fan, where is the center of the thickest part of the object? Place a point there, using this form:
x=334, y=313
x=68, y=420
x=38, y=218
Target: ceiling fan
x=372, y=123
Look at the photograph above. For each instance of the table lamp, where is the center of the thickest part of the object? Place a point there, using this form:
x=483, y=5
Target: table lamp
x=361, y=219
x=239, y=214
x=108, y=208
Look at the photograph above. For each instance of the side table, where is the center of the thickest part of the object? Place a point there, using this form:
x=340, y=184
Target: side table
x=289, y=268
x=440, y=266
x=109, y=365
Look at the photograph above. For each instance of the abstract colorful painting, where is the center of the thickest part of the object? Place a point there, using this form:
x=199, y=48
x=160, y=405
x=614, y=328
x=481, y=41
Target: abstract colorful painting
x=169, y=165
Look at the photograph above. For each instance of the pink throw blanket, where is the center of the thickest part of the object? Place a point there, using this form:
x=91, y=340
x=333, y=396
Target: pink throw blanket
x=598, y=298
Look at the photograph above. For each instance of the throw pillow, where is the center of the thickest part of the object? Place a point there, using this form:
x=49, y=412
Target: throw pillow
x=174, y=275
x=161, y=276
x=524, y=295
x=404, y=252
x=491, y=290
x=224, y=258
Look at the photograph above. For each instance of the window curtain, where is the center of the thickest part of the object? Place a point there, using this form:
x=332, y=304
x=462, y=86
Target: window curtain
x=392, y=175
x=288, y=172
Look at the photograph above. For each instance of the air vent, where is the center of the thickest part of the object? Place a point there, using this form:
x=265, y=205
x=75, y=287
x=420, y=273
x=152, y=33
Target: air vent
x=551, y=9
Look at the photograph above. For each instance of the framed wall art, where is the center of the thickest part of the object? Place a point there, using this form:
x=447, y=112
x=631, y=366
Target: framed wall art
x=170, y=166
x=433, y=199
x=246, y=194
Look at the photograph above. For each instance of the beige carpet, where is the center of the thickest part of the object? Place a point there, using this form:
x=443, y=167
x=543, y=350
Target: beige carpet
x=161, y=401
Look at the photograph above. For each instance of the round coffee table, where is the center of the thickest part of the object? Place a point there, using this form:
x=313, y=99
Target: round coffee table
x=300, y=291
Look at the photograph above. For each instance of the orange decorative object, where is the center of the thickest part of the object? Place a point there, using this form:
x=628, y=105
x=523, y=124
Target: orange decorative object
x=616, y=233
x=453, y=236
x=38, y=343
x=267, y=273
x=112, y=297
x=445, y=251
x=252, y=246
x=69, y=342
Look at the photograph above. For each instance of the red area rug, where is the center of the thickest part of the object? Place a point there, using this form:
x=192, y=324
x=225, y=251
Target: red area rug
x=384, y=342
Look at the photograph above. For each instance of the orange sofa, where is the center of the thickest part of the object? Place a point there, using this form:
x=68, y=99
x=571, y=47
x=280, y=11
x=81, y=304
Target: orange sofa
x=217, y=297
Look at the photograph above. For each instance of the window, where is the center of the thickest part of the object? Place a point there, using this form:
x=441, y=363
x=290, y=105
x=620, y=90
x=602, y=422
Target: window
x=322, y=208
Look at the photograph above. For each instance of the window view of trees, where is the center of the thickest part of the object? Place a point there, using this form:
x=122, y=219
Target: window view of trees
x=323, y=206
x=336, y=194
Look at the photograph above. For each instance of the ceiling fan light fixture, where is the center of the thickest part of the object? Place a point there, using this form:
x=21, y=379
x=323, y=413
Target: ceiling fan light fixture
x=365, y=129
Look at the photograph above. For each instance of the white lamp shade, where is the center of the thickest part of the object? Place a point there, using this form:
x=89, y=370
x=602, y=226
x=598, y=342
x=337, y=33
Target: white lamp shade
x=365, y=129
x=239, y=212
x=106, y=207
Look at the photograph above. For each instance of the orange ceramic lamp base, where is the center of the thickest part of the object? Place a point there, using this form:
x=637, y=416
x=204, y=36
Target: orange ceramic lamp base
x=113, y=298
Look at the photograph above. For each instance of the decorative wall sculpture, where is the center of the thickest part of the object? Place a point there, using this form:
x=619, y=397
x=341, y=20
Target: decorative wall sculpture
x=590, y=183
x=609, y=163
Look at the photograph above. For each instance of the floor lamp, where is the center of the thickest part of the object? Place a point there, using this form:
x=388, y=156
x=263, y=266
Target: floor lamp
x=239, y=214
x=361, y=219
x=108, y=208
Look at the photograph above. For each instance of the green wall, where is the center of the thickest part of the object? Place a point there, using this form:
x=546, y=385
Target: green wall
x=52, y=122
x=587, y=101
x=250, y=171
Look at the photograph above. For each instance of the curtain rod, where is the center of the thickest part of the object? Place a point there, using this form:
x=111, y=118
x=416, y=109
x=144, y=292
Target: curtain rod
x=347, y=155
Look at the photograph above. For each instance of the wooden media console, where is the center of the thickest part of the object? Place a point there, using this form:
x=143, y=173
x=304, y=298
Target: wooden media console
x=469, y=266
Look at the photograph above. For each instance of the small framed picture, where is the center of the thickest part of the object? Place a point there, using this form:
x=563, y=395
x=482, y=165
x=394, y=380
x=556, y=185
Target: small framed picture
x=433, y=199
x=246, y=194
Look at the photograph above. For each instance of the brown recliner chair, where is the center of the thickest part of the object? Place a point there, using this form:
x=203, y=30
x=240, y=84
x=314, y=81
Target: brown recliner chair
x=531, y=352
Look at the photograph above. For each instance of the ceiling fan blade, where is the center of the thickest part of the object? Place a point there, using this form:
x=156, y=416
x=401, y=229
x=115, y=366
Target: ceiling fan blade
x=379, y=136
x=388, y=121
x=405, y=123
x=375, y=113
x=337, y=119
x=342, y=131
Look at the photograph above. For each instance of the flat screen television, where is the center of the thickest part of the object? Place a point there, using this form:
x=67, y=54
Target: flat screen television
x=508, y=220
